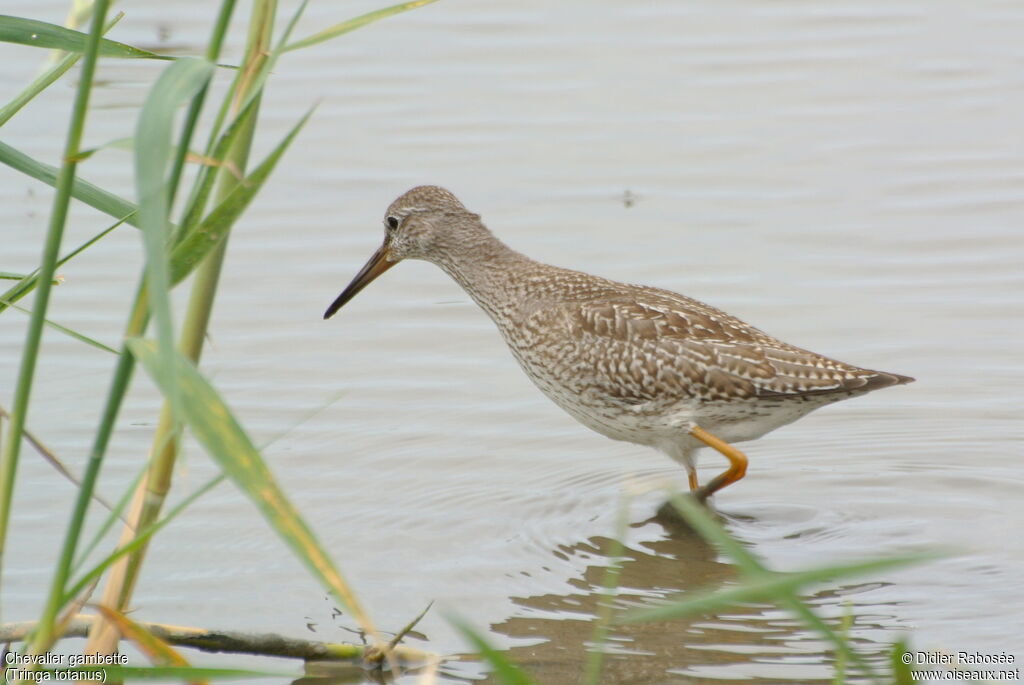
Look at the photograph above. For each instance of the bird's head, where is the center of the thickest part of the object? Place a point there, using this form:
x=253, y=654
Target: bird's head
x=427, y=222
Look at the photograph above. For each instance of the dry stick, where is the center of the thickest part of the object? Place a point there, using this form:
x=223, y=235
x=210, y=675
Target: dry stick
x=236, y=642
x=378, y=652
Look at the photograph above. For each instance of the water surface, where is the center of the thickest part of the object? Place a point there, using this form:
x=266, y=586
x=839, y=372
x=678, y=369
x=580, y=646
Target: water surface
x=848, y=177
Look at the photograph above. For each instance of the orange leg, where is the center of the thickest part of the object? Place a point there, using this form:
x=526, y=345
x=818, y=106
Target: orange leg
x=692, y=473
x=737, y=464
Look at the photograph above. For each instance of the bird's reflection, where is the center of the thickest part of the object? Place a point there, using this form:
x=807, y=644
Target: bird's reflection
x=749, y=642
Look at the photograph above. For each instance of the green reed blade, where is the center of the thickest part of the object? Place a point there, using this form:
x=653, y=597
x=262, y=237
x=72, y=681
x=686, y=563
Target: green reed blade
x=124, y=143
x=136, y=325
x=81, y=337
x=121, y=583
x=772, y=587
x=847, y=653
x=195, y=107
x=88, y=193
x=353, y=24
x=614, y=552
x=900, y=660
x=46, y=79
x=252, y=84
x=51, y=458
x=10, y=276
x=176, y=85
x=204, y=181
x=506, y=671
x=42, y=34
x=115, y=514
x=206, y=178
x=202, y=240
x=29, y=281
x=762, y=584
x=215, y=427
x=696, y=514
x=140, y=539
x=58, y=217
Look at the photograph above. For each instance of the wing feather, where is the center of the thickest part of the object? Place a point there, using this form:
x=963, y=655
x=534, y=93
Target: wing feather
x=664, y=345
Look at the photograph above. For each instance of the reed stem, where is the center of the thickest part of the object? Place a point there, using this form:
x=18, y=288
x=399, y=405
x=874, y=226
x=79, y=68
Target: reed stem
x=58, y=218
x=155, y=486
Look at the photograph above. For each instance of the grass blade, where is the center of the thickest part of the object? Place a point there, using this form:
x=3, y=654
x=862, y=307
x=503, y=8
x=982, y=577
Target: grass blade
x=901, y=658
x=176, y=85
x=9, y=276
x=763, y=584
x=770, y=588
x=122, y=576
x=506, y=671
x=115, y=514
x=184, y=80
x=844, y=634
x=614, y=552
x=81, y=337
x=42, y=34
x=198, y=243
x=27, y=283
x=250, y=83
x=89, y=193
x=708, y=528
x=206, y=178
x=843, y=648
x=156, y=525
x=144, y=535
x=156, y=650
x=353, y=24
x=195, y=108
x=58, y=217
x=53, y=460
x=219, y=432
x=138, y=541
x=46, y=79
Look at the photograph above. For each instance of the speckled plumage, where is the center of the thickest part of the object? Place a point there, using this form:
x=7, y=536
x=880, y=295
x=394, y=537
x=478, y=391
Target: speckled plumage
x=632, y=362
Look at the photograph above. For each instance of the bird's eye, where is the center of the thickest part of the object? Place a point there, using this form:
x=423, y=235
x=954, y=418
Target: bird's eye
x=392, y=222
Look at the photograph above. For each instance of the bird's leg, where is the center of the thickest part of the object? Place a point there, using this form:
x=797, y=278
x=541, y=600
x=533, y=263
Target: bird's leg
x=691, y=472
x=737, y=464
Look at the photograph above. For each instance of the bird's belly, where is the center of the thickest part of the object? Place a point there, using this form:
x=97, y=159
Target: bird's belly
x=668, y=420
x=663, y=419
x=737, y=421
x=619, y=423
x=633, y=423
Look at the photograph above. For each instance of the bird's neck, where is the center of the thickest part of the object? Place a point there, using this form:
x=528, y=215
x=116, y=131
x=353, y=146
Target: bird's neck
x=488, y=270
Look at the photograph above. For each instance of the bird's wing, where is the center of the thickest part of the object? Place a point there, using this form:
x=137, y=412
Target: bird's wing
x=672, y=346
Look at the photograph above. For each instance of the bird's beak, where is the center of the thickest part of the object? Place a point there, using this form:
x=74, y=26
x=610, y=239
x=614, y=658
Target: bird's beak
x=378, y=264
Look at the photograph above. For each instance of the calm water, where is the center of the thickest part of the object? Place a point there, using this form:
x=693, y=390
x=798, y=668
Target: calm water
x=847, y=176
